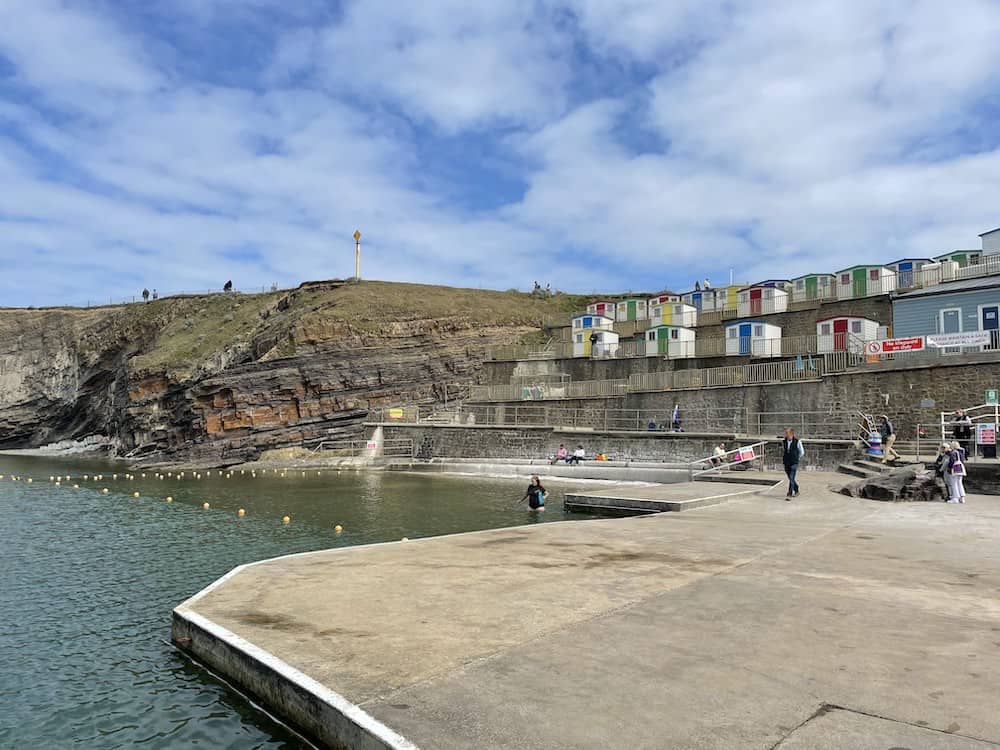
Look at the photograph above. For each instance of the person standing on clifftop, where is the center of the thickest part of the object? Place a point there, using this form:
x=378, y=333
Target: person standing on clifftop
x=791, y=453
x=675, y=419
x=145, y=295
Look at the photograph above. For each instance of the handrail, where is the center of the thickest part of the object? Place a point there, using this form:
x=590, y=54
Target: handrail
x=743, y=459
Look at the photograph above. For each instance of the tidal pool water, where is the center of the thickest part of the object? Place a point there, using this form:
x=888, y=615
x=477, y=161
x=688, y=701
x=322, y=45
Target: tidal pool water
x=88, y=580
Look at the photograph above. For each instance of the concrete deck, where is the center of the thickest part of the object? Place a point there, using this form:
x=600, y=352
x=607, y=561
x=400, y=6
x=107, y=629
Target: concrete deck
x=659, y=498
x=821, y=623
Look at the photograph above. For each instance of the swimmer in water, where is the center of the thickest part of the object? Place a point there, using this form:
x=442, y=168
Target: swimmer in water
x=535, y=495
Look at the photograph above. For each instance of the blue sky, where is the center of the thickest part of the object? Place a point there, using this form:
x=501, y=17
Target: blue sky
x=592, y=144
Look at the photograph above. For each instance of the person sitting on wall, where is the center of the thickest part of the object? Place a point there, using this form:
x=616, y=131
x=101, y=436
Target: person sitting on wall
x=719, y=455
x=578, y=455
x=652, y=426
x=561, y=455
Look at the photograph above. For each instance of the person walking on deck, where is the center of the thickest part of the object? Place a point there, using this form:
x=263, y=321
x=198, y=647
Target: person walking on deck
x=888, y=432
x=791, y=453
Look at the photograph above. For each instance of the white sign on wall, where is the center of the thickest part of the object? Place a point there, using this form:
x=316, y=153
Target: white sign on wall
x=968, y=338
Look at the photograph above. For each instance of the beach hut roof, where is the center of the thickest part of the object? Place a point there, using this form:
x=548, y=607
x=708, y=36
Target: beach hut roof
x=903, y=260
x=845, y=317
x=863, y=265
x=809, y=275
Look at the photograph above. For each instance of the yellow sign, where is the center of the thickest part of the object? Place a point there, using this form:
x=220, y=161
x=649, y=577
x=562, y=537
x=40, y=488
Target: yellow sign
x=395, y=413
x=357, y=235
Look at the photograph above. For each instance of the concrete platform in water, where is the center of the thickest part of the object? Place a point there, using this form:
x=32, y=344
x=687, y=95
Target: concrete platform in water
x=824, y=622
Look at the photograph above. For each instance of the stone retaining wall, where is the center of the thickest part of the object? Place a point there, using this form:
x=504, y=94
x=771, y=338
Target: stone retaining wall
x=442, y=441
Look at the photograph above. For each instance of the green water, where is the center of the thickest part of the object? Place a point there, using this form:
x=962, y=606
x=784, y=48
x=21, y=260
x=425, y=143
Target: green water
x=87, y=582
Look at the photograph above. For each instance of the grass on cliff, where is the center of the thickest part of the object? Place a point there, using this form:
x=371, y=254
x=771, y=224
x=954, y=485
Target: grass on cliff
x=190, y=333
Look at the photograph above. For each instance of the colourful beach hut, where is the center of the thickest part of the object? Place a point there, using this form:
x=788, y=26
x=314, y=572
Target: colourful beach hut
x=865, y=281
x=753, y=338
x=584, y=326
x=697, y=298
x=726, y=297
x=672, y=313
x=814, y=286
x=962, y=257
x=602, y=307
x=761, y=299
x=908, y=271
x=845, y=333
x=633, y=308
x=670, y=341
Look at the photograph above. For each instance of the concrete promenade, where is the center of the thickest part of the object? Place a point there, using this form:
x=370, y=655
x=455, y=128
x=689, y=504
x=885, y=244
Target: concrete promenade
x=821, y=623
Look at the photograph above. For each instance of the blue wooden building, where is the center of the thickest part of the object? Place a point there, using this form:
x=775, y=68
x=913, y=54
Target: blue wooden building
x=950, y=307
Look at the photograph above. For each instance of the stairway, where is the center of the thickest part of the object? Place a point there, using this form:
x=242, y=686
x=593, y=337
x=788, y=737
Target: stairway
x=869, y=466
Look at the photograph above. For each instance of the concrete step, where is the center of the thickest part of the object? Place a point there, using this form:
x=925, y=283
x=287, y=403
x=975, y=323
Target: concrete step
x=856, y=471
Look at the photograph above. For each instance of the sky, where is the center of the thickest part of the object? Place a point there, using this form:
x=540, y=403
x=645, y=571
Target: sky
x=594, y=145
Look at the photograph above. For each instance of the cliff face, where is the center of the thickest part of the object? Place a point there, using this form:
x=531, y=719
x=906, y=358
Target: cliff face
x=221, y=378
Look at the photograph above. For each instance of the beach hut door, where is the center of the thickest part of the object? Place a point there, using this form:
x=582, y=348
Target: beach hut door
x=905, y=275
x=663, y=341
x=840, y=335
x=811, y=287
x=860, y=286
x=631, y=310
x=745, y=330
x=755, y=305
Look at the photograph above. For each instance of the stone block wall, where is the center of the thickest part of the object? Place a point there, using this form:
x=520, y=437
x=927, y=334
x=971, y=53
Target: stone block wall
x=435, y=441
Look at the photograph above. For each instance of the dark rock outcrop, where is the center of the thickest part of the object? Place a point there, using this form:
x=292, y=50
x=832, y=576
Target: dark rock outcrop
x=909, y=484
x=218, y=379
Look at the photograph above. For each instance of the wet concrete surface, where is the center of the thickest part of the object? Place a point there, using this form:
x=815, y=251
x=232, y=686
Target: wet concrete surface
x=730, y=626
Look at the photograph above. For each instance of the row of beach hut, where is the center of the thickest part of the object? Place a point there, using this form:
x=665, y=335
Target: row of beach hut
x=593, y=335
x=774, y=295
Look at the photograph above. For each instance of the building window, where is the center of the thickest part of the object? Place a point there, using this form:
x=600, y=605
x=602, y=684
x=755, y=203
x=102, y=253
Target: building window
x=800, y=284
x=579, y=338
x=758, y=331
x=855, y=326
x=824, y=281
x=652, y=335
x=873, y=274
x=845, y=278
x=734, y=332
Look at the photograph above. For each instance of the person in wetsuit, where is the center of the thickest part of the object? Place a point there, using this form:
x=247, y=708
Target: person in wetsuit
x=535, y=495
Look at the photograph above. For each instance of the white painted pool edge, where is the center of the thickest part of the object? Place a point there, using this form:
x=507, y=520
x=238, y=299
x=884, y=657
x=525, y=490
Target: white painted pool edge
x=350, y=711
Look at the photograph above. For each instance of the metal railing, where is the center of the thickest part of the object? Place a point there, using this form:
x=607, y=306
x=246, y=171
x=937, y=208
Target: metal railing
x=828, y=424
x=717, y=463
x=725, y=420
x=395, y=448
x=858, y=289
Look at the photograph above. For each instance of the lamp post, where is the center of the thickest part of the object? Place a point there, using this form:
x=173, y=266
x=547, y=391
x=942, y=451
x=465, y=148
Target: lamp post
x=357, y=254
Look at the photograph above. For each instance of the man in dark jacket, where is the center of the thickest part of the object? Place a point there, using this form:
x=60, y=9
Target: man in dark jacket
x=791, y=452
x=962, y=430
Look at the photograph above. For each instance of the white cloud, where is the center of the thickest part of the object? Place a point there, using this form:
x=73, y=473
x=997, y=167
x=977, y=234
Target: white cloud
x=774, y=137
x=56, y=46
